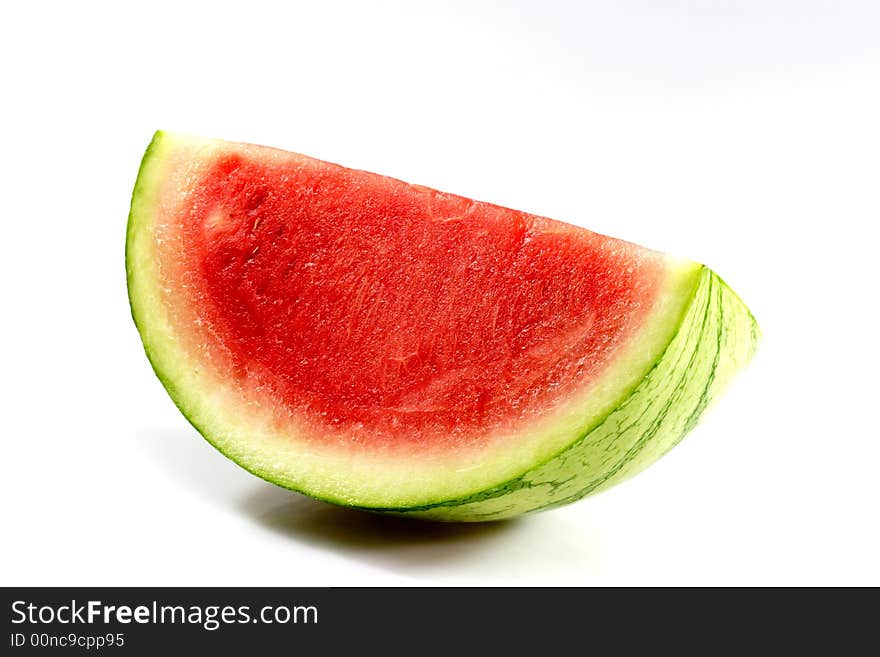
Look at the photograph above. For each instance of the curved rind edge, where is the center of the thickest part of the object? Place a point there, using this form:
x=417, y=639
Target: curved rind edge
x=717, y=338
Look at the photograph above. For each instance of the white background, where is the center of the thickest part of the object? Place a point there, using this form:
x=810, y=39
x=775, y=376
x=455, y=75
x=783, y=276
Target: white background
x=742, y=134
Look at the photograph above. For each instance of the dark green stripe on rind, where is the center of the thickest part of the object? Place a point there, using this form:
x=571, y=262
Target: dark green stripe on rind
x=717, y=336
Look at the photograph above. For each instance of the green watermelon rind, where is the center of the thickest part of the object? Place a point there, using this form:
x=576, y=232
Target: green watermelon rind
x=718, y=335
x=715, y=336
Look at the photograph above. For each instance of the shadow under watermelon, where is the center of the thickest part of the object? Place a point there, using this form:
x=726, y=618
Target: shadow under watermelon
x=417, y=542
x=528, y=550
x=504, y=552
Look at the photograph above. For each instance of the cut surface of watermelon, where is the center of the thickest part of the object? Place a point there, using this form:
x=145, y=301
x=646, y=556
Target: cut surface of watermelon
x=388, y=346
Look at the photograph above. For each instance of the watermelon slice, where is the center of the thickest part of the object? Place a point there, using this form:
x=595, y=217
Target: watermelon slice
x=391, y=347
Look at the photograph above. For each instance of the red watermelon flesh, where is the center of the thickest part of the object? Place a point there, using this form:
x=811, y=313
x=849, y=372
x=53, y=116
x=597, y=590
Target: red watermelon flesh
x=325, y=282
x=347, y=312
